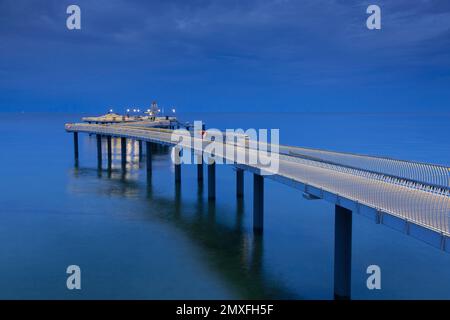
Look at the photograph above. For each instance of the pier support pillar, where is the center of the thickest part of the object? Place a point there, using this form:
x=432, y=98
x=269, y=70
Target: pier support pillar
x=140, y=150
x=177, y=158
x=199, y=168
x=212, y=181
x=239, y=183
x=75, y=145
x=148, y=147
x=109, y=148
x=99, y=151
x=342, y=253
x=258, y=203
x=123, y=152
x=178, y=173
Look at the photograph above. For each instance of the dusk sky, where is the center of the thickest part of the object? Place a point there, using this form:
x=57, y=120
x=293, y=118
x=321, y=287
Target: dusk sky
x=234, y=55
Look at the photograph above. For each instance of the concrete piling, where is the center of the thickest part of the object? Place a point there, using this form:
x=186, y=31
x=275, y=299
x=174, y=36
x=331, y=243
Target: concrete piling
x=239, y=183
x=99, y=151
x=123, y=153
x=258, y=203
x=342, y=253
x=212, y=181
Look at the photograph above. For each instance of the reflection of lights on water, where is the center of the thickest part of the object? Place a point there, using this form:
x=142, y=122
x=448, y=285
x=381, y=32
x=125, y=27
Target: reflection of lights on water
x=132, y=153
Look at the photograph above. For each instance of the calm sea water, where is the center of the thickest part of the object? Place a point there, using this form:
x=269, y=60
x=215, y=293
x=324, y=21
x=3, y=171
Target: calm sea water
x=134, y=240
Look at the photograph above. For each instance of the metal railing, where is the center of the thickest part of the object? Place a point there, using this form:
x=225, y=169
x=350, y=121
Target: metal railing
x=434, y=176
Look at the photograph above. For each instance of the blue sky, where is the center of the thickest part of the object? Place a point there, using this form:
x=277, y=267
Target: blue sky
x=249, y=56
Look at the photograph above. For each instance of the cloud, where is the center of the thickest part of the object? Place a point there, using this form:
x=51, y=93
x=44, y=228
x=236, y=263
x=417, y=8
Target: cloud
x=261, y=29
x=284, y=43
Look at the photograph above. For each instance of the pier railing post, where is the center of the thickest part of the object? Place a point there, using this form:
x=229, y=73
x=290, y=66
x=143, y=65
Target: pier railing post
x=99, y=151
x=75, y=146
x=148, y=148
x=342, y=253
x=239, y=183
x=109, y=148
x=123, y=152
x=258, y=203
x=212, y=181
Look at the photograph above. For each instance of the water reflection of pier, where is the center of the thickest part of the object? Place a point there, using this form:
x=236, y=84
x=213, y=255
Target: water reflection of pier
x=235, y=254
x=114, y=149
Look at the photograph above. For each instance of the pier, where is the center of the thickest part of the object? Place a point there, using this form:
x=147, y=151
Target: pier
x=410, y=197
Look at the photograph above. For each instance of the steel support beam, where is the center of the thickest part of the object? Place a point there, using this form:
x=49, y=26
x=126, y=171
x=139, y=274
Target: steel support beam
x=342, y=253
x=177, y=158
x=212, y=181
x=109, y=148
x=99, y=151
x=75, y=146
x=239, y=183
x=199, y=168
x=148, y=147
x=258, y=203
x=177, y=173
x=123, y=153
